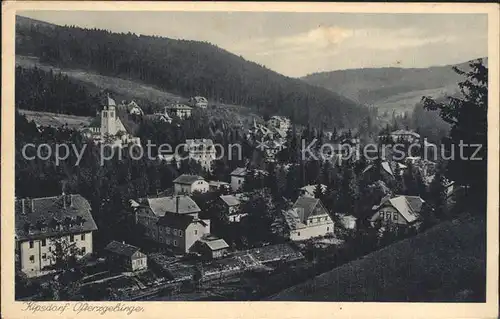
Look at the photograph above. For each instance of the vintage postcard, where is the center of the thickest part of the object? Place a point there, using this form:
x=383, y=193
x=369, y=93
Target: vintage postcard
x=249, y=160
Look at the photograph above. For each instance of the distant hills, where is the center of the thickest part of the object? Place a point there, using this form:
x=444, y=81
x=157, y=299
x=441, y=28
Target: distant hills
x=185, y=68
x=389, y=89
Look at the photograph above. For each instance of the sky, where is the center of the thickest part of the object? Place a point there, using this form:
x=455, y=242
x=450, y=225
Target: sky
x=297, y=44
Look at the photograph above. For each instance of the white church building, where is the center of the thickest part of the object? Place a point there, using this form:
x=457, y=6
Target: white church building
x=113, y=131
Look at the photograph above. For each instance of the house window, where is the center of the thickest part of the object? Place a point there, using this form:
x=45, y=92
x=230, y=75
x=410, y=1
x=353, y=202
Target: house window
x=44, y=242
x=382, y=215
x=196, y=232
x=174, y=231
x=44, y=256
x=104, y=114
x=175, y=242
x=180, y=233
x=167, y=230
x=32, y=259
x=84, y=250
x=298, y=234
x=161, y=239
x=167, y=241
x=239, y=181
x=71, y=238
x=50, y=248
x=395, y=216
x=82, y=237
x=31, y=244
x=327, y=228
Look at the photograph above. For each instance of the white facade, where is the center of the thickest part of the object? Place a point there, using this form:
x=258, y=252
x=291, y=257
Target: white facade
x=37, y=253
x=198, y=186
x=316, y=226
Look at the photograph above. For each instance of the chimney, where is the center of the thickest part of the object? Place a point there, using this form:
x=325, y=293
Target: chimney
x=177, y=200
x=22, y=206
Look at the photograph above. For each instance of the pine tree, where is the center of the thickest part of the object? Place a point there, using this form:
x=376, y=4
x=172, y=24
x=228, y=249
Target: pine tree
x=437, y=195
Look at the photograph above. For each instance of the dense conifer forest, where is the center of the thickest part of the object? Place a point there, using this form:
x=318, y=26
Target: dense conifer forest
x=186, y=68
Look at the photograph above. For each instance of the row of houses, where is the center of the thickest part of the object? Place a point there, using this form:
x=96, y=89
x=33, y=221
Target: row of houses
x=173, y=222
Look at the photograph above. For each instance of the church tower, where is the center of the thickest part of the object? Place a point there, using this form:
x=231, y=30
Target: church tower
x=108, y=118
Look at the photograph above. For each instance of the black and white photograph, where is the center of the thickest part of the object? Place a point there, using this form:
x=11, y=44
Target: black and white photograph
x=250, y=156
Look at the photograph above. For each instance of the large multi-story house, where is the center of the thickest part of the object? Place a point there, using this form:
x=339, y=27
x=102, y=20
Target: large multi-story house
x=201, y=151
x=399, y=210
x=189, y=184
x=113, y=126
x=308, y=218
x=172, y=222
x=133, y=108
x=198, y=101
x=179, y=110
x=41, y=224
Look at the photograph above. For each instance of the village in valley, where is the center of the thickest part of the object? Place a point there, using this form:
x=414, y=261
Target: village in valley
x=236, y=209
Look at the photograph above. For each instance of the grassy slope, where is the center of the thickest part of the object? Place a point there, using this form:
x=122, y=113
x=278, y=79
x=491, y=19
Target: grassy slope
x=434, y=266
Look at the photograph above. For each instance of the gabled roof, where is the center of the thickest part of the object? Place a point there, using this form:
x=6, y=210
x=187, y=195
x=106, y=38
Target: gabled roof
x=385, y=166
x=187, y=179
x=43, y=215
x=408, y=206
x=233, y=200
x=240, y=171
x=178, y=221
x=161, y=205
x=133, y=105
x=121, y=248
x=304, y=206
x=199, y=99
x=215, y=244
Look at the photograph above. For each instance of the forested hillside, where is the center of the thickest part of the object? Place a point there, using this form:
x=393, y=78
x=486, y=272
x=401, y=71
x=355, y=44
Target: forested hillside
x=390, y=89
x=38, y=90
x=186, y=68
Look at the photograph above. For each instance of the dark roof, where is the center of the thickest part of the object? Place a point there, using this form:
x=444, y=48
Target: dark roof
x=187, y=179
x=121, y=248
x=53, y=216
x=233, y=200
x=178, y=221
x=130, y=126
x=240, y=171
x=305, y=207
x=160, y=205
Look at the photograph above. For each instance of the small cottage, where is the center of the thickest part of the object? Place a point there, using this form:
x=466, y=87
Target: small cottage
x=126, y=257
x=211, y=247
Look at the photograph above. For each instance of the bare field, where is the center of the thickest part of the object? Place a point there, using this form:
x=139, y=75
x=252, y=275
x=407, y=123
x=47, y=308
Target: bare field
x=56, y=120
